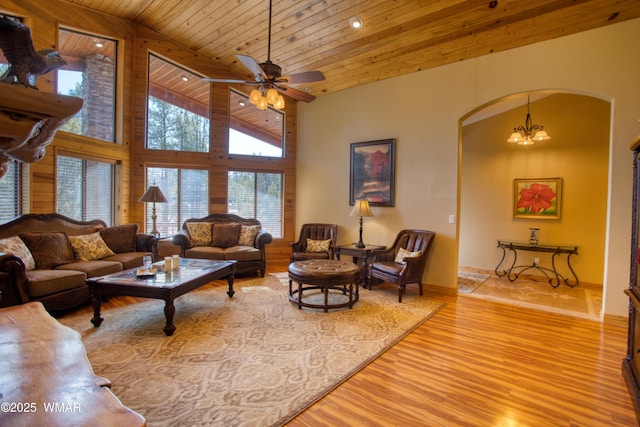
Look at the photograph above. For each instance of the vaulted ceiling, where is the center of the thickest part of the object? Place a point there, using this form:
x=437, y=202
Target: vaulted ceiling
x=398, y=36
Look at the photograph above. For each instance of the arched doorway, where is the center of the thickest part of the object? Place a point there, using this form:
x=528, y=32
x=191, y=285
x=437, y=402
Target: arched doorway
x=578, y=154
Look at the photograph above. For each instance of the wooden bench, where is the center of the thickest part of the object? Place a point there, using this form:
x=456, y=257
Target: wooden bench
x=46, y=378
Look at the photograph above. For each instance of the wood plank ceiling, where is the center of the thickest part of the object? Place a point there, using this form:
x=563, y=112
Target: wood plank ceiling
x=398, y=36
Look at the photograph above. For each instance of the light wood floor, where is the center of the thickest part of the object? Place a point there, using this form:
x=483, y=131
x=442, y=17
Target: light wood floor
x=482, y=363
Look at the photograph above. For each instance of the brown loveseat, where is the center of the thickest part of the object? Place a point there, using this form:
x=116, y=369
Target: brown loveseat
x=225, y=237
x=48, y=257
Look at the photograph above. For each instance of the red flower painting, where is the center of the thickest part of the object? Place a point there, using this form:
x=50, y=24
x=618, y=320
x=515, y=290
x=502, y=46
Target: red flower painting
x=537, y=198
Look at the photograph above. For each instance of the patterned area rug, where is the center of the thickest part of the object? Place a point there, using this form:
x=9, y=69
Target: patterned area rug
x=469, y=282
x=251, y=360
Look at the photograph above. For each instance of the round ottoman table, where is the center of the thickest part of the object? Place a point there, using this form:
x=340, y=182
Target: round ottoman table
x=325, y=275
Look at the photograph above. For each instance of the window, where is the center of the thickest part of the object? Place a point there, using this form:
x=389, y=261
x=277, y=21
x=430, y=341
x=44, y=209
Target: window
x=177, y=108
x=14, y=192
x=85, y=189
x=257, y=195
x=187, y=194
x=4, y=64
x=252, y=131
x=90, y=74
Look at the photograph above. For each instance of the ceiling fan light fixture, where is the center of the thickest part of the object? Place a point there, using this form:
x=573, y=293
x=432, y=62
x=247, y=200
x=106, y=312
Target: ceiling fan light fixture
x=269, y=79
x=355, y=22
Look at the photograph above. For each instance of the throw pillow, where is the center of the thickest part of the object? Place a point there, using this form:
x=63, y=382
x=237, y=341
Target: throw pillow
x=226, y=235
x=16, y=246
x=403, y=253
x=318, y=245
x=49, y=250
x=89, y=247
x=120, y=238
x=248, y=235
x=200, y=233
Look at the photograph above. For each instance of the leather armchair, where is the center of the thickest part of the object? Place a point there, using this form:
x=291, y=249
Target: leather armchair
x=384, y=265
x=314, y=232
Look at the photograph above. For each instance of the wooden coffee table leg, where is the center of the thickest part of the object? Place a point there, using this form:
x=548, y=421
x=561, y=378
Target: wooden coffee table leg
x=96, y=299
x=230, y=279
x=169, y=311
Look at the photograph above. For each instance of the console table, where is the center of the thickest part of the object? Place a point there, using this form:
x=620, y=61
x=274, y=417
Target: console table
x=553, y=276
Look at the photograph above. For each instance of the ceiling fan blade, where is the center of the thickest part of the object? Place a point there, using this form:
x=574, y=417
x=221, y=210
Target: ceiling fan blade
x=252, y=65
x=305, y=77
x=229, y=81
x=296, y=94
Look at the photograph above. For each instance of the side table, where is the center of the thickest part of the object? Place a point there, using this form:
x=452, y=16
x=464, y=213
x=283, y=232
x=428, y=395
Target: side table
x=361, y=257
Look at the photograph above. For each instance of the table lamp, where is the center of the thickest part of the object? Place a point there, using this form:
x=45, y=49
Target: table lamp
x=361, y=208
x=153, y=195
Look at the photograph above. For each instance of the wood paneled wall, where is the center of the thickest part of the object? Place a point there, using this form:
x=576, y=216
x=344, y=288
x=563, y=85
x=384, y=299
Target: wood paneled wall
x=218, y=161
x=45, y=19
x=135, y=43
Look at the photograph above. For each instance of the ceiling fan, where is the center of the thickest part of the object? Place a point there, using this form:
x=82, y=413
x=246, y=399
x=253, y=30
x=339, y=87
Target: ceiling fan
x=270, y=81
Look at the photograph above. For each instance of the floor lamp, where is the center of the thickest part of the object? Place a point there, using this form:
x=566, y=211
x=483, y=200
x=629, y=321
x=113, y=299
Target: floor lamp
x=361, y=208
x=153, y=195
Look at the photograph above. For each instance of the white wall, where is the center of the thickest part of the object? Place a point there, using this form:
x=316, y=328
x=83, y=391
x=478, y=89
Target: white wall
x=602, y=63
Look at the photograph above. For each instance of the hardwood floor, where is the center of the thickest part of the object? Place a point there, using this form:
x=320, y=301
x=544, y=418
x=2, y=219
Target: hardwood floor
x=482, y=363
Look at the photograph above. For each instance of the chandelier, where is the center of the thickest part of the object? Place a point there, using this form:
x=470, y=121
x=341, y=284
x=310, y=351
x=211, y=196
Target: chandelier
x=522, y=134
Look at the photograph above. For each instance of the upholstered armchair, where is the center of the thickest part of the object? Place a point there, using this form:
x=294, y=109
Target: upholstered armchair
x=404, y=261
x=316, y=241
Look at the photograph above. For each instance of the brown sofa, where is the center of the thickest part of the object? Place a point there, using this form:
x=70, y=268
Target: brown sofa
x=55, y=255
x=225, y=237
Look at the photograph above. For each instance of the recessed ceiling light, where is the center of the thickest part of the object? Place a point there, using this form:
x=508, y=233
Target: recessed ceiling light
x=99, y=43
x=356, y=22
x=185, y=78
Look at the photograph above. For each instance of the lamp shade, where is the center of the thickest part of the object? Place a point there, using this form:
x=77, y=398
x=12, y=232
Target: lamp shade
x=153, y=195
x=272, y=96
x=515, y=137
x=279, y=105
x=255, y=96
x=541, y=136
x=361, y=208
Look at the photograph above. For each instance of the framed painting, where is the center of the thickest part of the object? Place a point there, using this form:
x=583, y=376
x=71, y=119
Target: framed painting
x=373, y=172
x=537, y=198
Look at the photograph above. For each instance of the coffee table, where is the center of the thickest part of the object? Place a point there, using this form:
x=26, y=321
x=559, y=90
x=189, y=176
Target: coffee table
x=165, y=285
